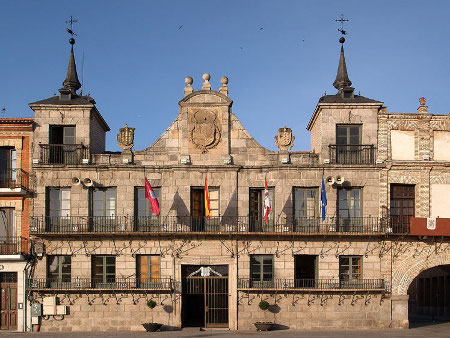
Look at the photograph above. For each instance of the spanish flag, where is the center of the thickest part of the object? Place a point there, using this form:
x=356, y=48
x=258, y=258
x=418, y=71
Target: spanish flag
x=207, y=206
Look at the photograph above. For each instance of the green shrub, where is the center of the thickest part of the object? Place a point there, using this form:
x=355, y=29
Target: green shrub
x=151, y=303
x=263, y=305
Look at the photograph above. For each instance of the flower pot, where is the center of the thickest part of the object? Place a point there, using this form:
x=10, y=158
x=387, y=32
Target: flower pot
x=263, y=326
x=151, y=327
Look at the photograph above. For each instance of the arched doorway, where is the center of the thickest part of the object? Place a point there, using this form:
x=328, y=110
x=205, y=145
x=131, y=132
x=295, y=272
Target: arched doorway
x=429, y=295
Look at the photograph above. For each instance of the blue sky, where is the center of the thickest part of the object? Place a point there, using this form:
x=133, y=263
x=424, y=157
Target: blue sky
x=136, y=57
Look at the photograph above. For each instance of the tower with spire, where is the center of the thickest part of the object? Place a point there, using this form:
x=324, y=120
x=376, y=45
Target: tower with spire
x=343, y=110
x=68, y=123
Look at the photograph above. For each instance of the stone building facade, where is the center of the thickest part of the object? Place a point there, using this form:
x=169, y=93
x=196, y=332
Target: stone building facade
x=15, y=195
x=104, y=261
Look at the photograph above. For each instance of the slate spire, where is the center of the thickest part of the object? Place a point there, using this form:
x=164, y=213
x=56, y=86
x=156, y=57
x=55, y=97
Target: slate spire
x=71, y=82
x=342, y=81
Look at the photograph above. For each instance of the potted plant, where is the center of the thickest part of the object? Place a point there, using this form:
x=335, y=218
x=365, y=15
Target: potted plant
x=151, y=327
x=263, y=326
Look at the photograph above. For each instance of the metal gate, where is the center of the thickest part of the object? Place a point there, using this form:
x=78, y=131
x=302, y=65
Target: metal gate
x=215, y=298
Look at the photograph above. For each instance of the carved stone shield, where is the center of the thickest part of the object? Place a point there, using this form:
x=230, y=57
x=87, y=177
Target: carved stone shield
x=284, y=139
x=125, y=137
x=205, y=133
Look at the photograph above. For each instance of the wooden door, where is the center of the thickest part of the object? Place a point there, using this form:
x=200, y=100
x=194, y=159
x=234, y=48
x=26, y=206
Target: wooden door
x=402, y=207
x=197, y=209
x=255, y=210
x=8, y=293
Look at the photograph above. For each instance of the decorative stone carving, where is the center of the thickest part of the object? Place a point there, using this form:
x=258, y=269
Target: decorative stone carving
x=205, y=134
x=125, y=137
x=284, y=139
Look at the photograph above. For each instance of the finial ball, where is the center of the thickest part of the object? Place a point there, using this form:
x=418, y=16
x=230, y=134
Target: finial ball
x=224, y=80
x=188, y=80
x=341, y=39
x=206, y=77
x=72, y=41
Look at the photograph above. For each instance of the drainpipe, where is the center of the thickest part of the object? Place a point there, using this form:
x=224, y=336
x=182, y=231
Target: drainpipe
x=24, y=310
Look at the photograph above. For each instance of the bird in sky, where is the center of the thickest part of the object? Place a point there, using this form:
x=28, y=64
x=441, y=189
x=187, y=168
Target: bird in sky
x=71, y=32
x=181, y=26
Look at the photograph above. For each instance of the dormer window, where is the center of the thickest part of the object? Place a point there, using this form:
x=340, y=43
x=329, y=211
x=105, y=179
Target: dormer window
x=348, y=134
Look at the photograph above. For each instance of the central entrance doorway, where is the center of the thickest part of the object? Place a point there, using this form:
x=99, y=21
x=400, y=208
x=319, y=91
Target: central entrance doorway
x=8, y=295
x=204, y=296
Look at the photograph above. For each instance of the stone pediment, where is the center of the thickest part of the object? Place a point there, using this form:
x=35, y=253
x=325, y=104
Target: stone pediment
x=202, y=97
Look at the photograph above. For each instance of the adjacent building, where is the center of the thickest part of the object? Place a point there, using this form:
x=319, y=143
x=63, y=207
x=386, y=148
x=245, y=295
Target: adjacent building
x=16, y=136
x=104, y=261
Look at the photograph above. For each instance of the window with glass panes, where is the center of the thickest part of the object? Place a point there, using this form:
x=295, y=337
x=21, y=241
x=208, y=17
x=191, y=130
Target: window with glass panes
x=306, y=203
x=59, y=268
x=198, y=202
x=350, y=268
x=148, y=268
x=58, y=202
x=8, y=165
x=349, y=202
x=142, y=205
x=261, y=267
x=104, y=269
x=257, y=203
x=104, y=202
x=348, y=134
x=7, y=224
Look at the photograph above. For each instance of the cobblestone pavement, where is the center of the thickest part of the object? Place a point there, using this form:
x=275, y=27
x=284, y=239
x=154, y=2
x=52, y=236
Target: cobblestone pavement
x=434, y=330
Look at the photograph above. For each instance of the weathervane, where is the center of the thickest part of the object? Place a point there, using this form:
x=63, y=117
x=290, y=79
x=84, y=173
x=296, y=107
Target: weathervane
x=71, y=22
x=342, y=20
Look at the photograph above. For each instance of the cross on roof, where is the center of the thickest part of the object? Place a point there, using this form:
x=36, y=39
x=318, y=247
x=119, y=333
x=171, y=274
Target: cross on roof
x=342, y=20
x=71, y=22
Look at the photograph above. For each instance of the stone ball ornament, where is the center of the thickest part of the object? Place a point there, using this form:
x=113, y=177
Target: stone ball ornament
x=224, y=80
x=188, y=80
x=206, y=77
x=341, y=39
x=72, y=41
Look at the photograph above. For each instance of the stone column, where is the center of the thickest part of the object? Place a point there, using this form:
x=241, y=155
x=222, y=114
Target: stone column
x=400, y=312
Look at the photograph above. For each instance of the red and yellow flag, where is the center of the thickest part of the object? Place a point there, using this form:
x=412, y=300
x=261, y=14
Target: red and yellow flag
x=207, y=206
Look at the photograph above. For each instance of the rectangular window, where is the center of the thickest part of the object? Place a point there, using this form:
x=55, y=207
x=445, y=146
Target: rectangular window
x=198, y=215
x=8, y=167
x=7, y=225
x=402, y=206
x=349, y=209
x=103, y=271
x=350, y=269
x=306, y=209
x=58, y=202
x=145, y=220
x=261, y=270
x=58, y=270
x=348, y=134
x=103, y=209
x=148, y=269
x=62, y=135
x=305, y=267
x=257, y=222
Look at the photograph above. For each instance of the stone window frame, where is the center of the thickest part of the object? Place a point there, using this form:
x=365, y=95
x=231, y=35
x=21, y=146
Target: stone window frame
x=91, y=200
x=47, y=200
x=104, y=279
x=261, y=268
x=348, y=125
x=361, y=199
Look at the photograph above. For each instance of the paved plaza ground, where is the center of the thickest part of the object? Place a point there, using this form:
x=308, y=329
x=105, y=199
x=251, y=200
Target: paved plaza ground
x=418, y=330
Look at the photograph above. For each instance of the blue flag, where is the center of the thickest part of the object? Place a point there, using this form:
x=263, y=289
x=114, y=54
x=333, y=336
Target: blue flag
x=323, y=199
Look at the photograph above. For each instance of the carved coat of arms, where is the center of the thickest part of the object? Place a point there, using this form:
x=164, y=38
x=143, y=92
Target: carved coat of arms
x=205, y=134
x=125, y=137
x=284, y=139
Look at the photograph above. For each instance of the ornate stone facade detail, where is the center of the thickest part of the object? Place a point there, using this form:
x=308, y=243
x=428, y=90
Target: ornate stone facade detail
x=125, y=137
x=439, y=125
x=284, y=139
x=402, y=124
x=205, y=134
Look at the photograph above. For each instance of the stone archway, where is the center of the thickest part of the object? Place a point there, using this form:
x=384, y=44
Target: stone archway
x=410, y=266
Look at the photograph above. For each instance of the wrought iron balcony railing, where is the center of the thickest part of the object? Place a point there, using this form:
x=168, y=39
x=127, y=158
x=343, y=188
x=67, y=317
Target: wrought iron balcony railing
x=14, y=178
x=352, y=154
x=220, y=224
x=13, y=245
x=312, y=284
x=63, y=153
x=99, y=283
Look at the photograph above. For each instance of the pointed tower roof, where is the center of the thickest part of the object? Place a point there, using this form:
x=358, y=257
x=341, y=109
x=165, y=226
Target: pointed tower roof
x=71, y=82
x=342, y=81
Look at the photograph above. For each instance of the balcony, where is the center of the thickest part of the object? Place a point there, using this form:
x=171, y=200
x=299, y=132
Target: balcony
x=63, y=153
x=14, y=181
x=13, y=245
x=93, y=284
x=215, y=225
x=249, y=284
x=352, y=154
